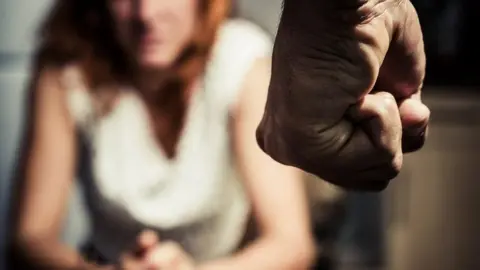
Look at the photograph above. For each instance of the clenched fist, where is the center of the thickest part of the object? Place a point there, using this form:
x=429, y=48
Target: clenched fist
x=344, y=98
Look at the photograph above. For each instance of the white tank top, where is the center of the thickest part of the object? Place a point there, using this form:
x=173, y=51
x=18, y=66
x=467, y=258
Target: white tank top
x=194, y=199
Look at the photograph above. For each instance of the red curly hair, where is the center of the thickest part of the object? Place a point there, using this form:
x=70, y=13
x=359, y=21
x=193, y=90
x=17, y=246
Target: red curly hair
x=81, y=32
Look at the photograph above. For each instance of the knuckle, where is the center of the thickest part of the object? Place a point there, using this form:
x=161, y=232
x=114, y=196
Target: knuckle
x=389, y=143
x=392, y=156
x=392, y=168
x=387, y=104
x=397, y=163
x=386, y=152
x=388, y=166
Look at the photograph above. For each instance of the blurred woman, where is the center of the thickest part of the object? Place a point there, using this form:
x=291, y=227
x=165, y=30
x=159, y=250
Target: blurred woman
x=157, y=101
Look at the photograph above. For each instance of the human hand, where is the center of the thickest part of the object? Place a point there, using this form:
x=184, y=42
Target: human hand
x=329, y=55
x=169, y=256
x=136, y=258
x=152, y=254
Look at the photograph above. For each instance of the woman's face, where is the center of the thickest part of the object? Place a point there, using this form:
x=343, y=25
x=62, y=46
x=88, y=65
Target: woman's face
x=154, y=32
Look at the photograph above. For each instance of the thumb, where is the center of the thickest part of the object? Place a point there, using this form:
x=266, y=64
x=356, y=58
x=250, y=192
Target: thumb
x=415, y=117
x=146, y=240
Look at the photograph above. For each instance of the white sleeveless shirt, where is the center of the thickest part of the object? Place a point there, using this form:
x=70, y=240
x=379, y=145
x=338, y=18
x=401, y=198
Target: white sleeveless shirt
x=195, y=199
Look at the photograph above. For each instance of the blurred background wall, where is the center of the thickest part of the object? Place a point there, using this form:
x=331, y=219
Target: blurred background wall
x=427, y=219
x=432, y=220
x=18, y=18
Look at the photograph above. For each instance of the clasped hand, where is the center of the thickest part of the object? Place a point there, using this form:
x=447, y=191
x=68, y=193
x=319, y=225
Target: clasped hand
x=152, y=254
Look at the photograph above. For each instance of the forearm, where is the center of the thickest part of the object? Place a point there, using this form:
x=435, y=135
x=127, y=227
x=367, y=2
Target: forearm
x=46, y=254
x=266, y=254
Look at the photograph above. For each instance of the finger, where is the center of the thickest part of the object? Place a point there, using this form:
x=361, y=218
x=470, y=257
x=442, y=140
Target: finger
x=403, y=69
x=145, y=241
x=148, y=238
x=129, y=261
x=373, y=141
x=384, y=125
x=414, y=115
x=359, y=153
x=375, y=179
x=415, y=118
x=412, y=143
x=168, y=255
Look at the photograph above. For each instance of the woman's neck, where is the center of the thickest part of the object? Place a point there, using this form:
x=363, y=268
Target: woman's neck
x=149, y=80
x=168, y=104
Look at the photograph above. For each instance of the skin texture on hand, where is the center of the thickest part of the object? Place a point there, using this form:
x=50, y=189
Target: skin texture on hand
x=344, y=97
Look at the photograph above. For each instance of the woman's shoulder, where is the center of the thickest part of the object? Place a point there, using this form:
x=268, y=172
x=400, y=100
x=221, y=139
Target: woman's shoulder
x=239, y=44
x=77, y=95
x=240, y=26
x=241, y=34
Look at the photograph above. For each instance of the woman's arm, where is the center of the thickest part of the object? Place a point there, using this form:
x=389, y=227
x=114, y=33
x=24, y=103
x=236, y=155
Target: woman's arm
x=46, y=176
x=276, y=191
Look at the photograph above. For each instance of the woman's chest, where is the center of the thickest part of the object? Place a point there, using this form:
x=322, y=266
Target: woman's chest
x=132, y=171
